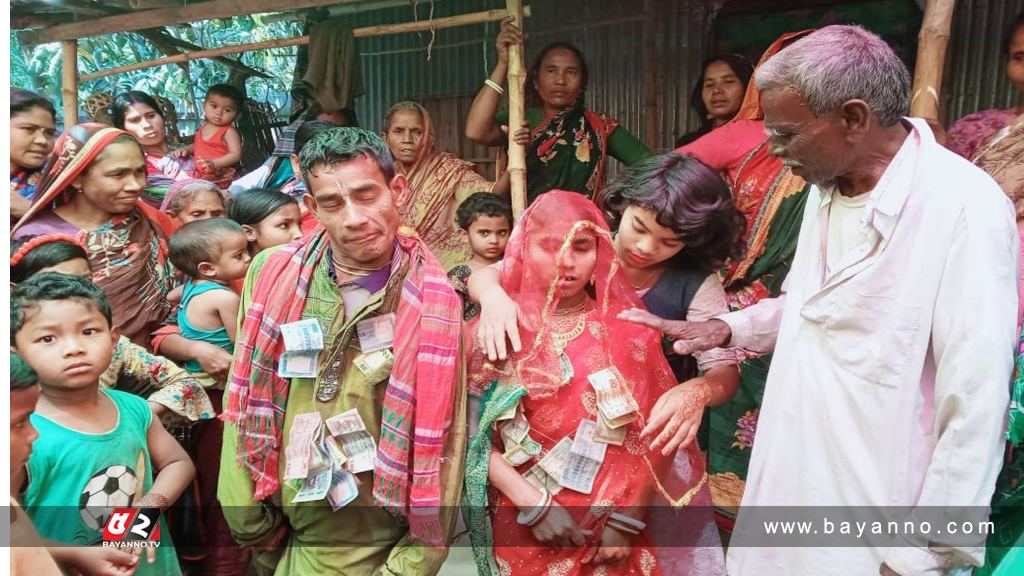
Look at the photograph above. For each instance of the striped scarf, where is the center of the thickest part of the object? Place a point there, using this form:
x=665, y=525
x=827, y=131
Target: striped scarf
x=417, y=408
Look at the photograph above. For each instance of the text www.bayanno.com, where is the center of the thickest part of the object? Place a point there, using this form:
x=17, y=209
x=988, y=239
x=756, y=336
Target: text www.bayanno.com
x=860, y=529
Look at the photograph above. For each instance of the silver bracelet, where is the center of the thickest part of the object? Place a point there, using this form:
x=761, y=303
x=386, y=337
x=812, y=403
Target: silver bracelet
x=621, y=527
x=536, y=512
x=628, y=521
x=494, y=86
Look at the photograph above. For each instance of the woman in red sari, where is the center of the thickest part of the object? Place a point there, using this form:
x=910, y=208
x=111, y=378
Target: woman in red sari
x=559, y=433
x=90, y=190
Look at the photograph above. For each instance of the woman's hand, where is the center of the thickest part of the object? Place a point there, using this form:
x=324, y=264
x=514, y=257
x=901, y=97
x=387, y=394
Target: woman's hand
x=499, y=318
x=213, y=359
x=557, y=528
x=181, y=152
x=676, y=417
x=521, y=136
x=507, y=36
x=612, y=548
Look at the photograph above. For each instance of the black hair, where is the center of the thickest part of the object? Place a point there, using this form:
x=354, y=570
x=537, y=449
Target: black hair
x=482, y=204
x=532, y=98
x=24, y=100
x=308, y=129
x=250, y=207
x=43, y=256
x=198, y=242
x=740, y=66
x=1018, y=23
x=50, y=286
x=226, y=91
x=22, y=375
x=122, y=102
x=690, y=199
x=315, y=109
x=341, y=144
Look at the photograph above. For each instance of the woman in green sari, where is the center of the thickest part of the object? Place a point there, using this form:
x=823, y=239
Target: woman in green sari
x=567, y=146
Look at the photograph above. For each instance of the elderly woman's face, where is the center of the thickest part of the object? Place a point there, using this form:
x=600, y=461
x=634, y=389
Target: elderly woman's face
x=145, y=123
x=33, y=134
x=115, y=179
x=203, y=205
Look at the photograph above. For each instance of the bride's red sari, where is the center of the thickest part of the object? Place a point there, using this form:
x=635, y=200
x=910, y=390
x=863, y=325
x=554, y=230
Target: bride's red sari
x=555, y=399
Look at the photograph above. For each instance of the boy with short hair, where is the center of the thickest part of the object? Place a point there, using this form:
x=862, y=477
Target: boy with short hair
x=218, y=145
x=486, y=223
x=95, y=445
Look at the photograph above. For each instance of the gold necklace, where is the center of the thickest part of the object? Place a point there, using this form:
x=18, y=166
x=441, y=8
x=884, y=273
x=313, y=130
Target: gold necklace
x=576, y=317
x=351, y=269
x=570, y=311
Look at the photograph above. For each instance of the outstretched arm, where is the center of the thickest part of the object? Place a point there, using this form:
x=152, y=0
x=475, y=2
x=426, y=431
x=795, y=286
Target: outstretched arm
x=480, y=125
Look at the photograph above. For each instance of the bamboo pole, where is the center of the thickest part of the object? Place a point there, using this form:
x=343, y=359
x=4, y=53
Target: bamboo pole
x=367, y=32
x=931, y=57
x=69, y=81
x=516, y=114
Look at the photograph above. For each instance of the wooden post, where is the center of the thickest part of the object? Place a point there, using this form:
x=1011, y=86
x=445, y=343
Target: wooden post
x=931, y=57
x=69, y=81
x=516, y=114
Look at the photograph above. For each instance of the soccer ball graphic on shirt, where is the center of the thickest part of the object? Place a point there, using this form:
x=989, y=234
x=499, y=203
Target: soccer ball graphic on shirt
x=112, y=487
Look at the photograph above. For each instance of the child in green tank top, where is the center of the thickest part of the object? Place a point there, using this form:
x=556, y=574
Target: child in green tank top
x=95, y=447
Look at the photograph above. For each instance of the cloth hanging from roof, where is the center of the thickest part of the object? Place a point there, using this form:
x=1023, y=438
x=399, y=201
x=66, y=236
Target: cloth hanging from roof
x=334, y=75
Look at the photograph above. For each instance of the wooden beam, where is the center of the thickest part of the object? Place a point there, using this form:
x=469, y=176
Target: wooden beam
x=69, y=81
x=133, y=21
x=516, y=113
x=931, y=58
x=380, y=30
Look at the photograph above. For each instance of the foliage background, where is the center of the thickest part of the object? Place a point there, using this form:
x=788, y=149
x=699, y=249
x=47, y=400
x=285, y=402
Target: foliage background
x=39, y=69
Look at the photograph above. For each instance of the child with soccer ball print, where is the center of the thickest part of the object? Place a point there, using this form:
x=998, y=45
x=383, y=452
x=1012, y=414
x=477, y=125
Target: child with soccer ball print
x=97, y=448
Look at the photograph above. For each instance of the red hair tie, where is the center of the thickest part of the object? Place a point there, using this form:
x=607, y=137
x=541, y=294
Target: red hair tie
x=38, y=241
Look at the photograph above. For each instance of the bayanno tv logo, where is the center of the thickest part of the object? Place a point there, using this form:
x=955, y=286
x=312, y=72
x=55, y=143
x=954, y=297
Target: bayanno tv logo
x=132, y=528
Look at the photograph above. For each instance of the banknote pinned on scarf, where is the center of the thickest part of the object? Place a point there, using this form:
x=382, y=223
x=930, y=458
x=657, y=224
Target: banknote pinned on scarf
x=356, y=442
x=377, y=333
x=614, y=400
x=375, y=366
x=304, y=431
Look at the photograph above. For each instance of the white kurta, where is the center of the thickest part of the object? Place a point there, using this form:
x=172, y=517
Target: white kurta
x=890, y=376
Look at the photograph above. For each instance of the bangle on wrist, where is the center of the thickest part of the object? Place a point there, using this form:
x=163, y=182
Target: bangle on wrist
x=494, y=86
x=536, y=512
x=627, y=520
x=622, y=528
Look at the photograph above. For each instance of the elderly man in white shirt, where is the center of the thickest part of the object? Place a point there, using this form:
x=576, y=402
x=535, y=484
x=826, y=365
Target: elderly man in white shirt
x=894, y=341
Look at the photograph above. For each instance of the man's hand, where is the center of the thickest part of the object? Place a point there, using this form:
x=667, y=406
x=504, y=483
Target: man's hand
x=689, y=337
x=614, y=547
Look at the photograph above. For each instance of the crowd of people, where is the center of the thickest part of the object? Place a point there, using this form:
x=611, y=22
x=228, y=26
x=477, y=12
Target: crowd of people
x=346, y=359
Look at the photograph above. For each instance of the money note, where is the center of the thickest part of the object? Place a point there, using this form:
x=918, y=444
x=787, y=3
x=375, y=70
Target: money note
x=300, y=364
x=540, y=480
x=556, y=459
x=376, y=333
x=305, y=428
x=613, y=398
x=607, y=434
x=356, y=442
x=586, y=456
x=302, y=335
x=375, y=366
x=315, y=487
x=347, y=422
x=343, y=489
x=518, y=454
x=513, y=431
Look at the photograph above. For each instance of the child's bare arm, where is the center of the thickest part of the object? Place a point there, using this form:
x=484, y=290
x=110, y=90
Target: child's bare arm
x=172, y=468
x=227, y=309
x=234, y=141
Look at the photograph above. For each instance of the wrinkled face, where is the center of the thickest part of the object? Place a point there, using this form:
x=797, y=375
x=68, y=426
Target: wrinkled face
x=68, y=342
x=203, y=205
x=574, y=270
x=74, y=267
x=233, y=261
x=488, y=236
x=643, y=242
x=281, y=227
x=559, y=80
x=23, y=433
x=722, y=92
x=33, y=134
x=219, y=110
x=358, y=208
x=405, y=132
x=115, y=179
x=1015, y=63
x=814, y=148
x=145, y=124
